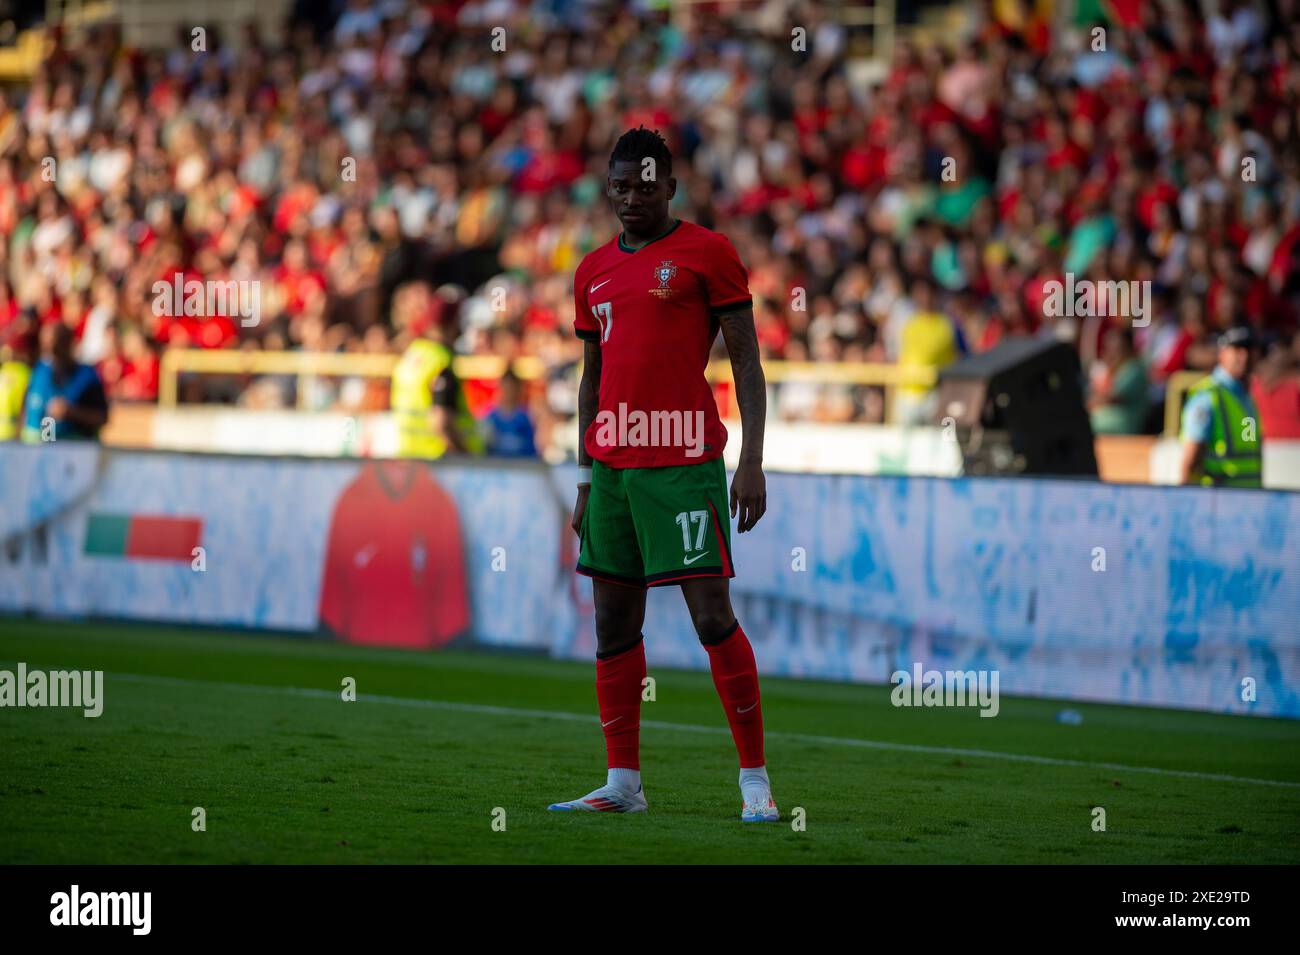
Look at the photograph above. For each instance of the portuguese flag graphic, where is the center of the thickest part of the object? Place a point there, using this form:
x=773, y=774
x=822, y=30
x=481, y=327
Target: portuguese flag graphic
x=143, y=536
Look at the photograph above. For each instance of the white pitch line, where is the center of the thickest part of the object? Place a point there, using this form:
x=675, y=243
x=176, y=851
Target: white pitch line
x=488, y=710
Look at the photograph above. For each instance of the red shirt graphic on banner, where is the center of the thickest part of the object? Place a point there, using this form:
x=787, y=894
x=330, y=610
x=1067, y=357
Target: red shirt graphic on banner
x=395, y=569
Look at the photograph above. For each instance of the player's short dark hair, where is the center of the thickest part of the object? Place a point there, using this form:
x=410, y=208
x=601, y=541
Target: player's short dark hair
x=636, y=144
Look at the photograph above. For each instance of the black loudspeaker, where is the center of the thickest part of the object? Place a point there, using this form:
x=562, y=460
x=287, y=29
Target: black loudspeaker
x=1018, y=409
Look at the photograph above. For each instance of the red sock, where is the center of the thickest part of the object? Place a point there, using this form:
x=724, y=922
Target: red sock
x=618, y=691
x=736, y=677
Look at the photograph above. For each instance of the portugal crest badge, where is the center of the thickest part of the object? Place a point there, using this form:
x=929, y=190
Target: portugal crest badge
x=664, y=272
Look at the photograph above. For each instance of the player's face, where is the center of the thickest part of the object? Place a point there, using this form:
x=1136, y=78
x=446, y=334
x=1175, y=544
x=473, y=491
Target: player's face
x=640, y=203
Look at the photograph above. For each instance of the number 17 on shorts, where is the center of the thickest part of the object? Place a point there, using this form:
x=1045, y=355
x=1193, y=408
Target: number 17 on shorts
x=657, y=526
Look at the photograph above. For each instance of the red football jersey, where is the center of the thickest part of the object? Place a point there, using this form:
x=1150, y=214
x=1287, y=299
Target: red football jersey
x=394, y=571
x=655, y=311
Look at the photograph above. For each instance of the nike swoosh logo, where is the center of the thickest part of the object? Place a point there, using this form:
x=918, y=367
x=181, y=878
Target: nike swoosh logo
x=691, y=560
x=594, y=287
x=748, y=708
x=614, y=720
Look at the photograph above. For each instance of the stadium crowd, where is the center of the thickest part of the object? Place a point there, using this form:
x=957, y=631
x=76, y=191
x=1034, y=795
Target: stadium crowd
x=396, y=169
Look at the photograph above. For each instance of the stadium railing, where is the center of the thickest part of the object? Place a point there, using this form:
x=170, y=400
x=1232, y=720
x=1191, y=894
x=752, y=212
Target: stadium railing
x=307, y=365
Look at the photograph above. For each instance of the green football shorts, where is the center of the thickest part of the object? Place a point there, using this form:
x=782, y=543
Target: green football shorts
x=650, y=526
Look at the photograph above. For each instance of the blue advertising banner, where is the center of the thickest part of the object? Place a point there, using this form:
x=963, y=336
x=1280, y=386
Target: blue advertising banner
x=1181, y=597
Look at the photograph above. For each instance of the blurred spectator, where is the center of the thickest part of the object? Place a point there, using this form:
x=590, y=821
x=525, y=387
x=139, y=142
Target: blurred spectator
x=1276, y=389
x=1117, y=403
x=509, y=427
x=928, y=343
x=65, y=399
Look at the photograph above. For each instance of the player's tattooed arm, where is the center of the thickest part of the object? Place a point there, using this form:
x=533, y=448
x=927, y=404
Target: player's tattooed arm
x=588, y=404
x=748, y=487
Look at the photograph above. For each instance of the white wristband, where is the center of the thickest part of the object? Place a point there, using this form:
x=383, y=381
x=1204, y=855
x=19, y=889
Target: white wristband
x=584, y=475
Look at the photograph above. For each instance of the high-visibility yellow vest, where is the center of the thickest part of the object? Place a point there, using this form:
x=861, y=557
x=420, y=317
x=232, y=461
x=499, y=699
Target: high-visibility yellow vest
x=411, y=397
x=1233, y=456
x=14, y=376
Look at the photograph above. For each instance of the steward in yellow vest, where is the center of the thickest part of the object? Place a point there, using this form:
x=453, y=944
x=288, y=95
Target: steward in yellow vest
x=429, y=404
x=14, y=375
x=1222, y=441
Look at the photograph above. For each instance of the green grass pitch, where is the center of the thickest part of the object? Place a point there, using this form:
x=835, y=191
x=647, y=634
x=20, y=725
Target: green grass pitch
x=254, y=730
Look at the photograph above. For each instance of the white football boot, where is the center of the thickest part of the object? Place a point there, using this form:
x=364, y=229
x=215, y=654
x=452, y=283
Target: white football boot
x=760, y=810
x=605, y=799
x=757, y=804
